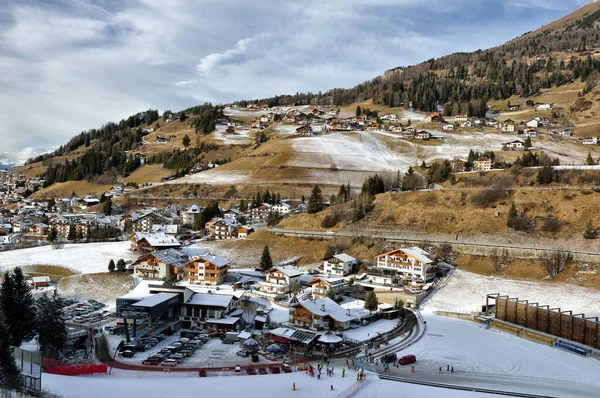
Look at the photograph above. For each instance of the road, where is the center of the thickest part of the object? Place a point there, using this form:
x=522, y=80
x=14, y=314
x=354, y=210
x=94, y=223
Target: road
x=410, y=236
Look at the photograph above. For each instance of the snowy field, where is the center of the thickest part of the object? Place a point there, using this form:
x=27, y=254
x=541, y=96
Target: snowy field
x=466, y=292
x=84, y=258
x=374, y=329
x=240, y=137
x=477, y=353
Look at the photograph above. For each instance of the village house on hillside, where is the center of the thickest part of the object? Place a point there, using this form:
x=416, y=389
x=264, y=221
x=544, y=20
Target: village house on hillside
x=514, y=145
x=281, y=280
x=142, y=242
x=209, y=269
x=144, y=220
x=482, y=164
x=191, y=214
x=320, y=314
x=166, y=265
x=321, y=286
x=412, y=264
x=339, y=264
x=260, y=213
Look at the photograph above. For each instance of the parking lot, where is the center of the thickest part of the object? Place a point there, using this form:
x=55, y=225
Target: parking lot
x=85, y=312
x=212, y=353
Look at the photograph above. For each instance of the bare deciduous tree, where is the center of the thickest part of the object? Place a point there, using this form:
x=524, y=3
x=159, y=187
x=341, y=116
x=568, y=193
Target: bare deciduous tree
x=557, y=262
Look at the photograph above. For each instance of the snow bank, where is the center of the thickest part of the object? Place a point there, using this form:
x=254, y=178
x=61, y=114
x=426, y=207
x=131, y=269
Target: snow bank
x=86, y=258
x=466, y=292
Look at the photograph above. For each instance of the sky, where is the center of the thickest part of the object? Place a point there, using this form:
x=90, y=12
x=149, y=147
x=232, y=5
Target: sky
x=70, y=65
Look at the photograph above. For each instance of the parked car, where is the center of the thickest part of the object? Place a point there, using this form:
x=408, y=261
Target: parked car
x=127, y=354
x=177, y=357
x=262, y=371
x=407, y=359
x=151, y=361
x=286, y=368
x=238, y=369
x=169, y=362
x=275, y=369
x=250, y=371
x=202, y=373
x=79, y=319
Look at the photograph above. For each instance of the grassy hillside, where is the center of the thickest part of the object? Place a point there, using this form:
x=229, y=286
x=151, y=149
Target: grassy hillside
x=65, y=189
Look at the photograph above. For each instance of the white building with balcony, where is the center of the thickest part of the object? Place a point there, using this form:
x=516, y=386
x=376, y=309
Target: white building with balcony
x=281, y=280
x=339, y=265
x=412, y=263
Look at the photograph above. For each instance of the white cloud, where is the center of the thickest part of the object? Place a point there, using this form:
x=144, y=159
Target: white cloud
x=76, y=64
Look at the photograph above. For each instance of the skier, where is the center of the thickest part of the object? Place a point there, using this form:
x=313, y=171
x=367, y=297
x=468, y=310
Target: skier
x=452, y=369
x=343, y=372
x=412, y=368
x=447, y=368
x=331, y=387
x=294, y=386
x=440, y=369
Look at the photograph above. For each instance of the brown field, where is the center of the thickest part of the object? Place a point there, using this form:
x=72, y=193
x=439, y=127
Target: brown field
x=53, y=271
x=149, y=173
x=101, y=286
x=65, y=189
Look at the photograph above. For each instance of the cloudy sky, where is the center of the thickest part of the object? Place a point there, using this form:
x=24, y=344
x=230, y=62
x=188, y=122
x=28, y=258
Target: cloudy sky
x=71, y=65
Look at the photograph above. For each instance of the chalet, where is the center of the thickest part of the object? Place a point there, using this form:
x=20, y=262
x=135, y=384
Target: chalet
x=434, y=117
x=147, y=242
x=232, y=214
x=244, y=231
x=162, y=139
x=203, y=310
x=458, y=165
x=339, y=264
x=253, y=124
x=40, y=281
x=224, y=228
x=448, y=127
x=514, y=145
x=320, y=314
x=143, y=221
x=514, y=108
x=261, y=212
x=264, y=119
x=412, y=263
x=389, y=116
x=423, y=135
x=533, y=123
x=190, y=216
x=306, y=129
x=252, y=107
x=482, y=164
x=590, y=141
x=209, y=269
x=566, y=133
x=460, y=118
x=271, y=116
x=338, y=126
x=281, y=280
x=396, y=128
x=374, y=127
x=361, y=120
x=166, y=265
x=40, y=229
x=544, y=107
x=320, y=286
x=281, y=208
x=468, y=123
x=317, y=112
x=293, y=112
x=508, y=126
x=529, y=103
x=530, y=132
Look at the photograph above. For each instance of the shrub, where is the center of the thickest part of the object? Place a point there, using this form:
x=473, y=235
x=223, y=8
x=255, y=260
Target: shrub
x=551, y=224
x=330, y=220
x=489, y=196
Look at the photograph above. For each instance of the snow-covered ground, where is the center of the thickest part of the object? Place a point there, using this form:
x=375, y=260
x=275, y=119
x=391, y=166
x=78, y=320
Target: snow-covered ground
x=374, y=329
x=466, y=292
x=240, y=137
x=475, y=352
x=276, y=312
x=85, y=258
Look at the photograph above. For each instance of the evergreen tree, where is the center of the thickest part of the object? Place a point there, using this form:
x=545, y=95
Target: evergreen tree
x=315, y=201
x=243, y=206
x=72, y=233
x=411, y=180
x=107, y=207
x=121, y=265
x=590, y=231
x=52, y=235
x=512, y=215
x=589, y=161
x=266, y=262
x=10, y=376
x=111, y=265
x=358, y=111
x=18, y=306
x=186, y=141
x=545, y=175
x=371, y=302
x=51, y=328
x=527, y=143
x=331, y=294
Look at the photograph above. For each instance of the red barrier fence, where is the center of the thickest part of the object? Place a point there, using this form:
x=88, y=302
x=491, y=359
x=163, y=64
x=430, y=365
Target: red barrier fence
x=74, y=370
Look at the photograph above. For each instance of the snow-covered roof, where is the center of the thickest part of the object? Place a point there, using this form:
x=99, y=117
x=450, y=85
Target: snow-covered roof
x=158, y=239
x=194, y=251
x=330, y=338
x=40, y=279
x=215, y=259
x=213, y=300
x=172, y=257
x=326, y=306
x=289, y=271
x=155, y=299
x=419, y=254
x=141, y=291
x=344, y=257
x=194, y=209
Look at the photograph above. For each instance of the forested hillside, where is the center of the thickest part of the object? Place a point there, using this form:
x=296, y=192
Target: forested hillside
x=464, y=82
